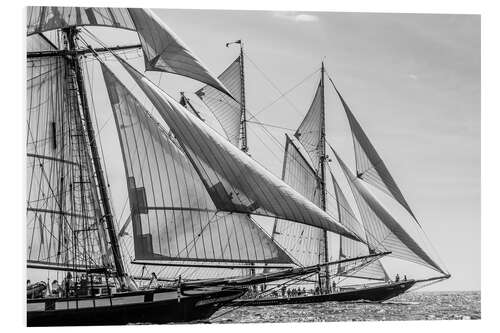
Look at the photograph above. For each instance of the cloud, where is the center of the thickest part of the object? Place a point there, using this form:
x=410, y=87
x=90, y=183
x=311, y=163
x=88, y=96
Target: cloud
x=297, y=17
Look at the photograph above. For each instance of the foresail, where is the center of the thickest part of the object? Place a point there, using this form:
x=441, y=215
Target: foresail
x=350, y=249
x=235, y=182
x=309, y=131
x=226, y=109
x=369, y=165
x=45, y=18
x=382, y=230
x=165, y=52
x=63, y=216
x=173, y=217
x=301, y=241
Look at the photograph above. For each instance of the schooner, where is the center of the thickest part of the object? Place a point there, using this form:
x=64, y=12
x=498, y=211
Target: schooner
x=306, y=167
x=189, y=204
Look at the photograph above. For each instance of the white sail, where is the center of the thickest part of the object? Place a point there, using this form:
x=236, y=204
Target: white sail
x=382, y=230
x=301, y=241
x=163, y=49
x=369, y=165
x=309, y=131
x=350, y=249
x=173, y=217
x=45, y=18
x=63, y=216
x=236, y=182
x=226, y=109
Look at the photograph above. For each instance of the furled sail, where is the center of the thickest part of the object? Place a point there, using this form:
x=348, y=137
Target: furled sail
x=63, y=215
x=369, y=165
x=301, y=241
x=226, y=110
x=351, y=249
x=382, y=229
x=309, y=131
x=235, y=182
x=173, y=216
x=163, y=50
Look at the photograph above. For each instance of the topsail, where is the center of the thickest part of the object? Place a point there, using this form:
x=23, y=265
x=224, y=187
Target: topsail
x=163, y=49
x=226, y=109
x=221, y=167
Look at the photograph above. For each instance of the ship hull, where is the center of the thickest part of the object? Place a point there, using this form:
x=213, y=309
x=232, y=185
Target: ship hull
x=154, y=307
x=374, y=294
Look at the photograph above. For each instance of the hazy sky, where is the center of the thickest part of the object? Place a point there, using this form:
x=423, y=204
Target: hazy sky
x=413, y=82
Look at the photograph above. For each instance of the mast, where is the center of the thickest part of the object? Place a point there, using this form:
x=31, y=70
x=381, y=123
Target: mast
x=71, y=35
x=322, y=159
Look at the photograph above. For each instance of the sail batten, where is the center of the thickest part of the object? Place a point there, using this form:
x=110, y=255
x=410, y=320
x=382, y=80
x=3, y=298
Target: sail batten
x=259, y=192
x=173, y=216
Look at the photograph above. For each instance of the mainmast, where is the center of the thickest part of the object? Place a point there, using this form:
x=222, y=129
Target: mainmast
x=71, y=35
x=322, y=159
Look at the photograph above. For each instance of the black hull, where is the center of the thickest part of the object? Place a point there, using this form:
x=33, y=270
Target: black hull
x=192, y=306
x=375, y=294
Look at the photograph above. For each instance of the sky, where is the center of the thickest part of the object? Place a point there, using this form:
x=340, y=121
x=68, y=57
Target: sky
x=412, y=81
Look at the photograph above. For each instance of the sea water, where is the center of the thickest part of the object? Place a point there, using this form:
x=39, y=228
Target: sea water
x=411, y=306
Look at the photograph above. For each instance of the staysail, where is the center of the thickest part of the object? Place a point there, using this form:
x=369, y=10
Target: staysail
x=163, y=49
x=226, y=109
x=369, y=165
x=382, y=229
x=350, y=249
x=63, y=215
x=301, y=241
x=173, y=216
x=221, y=167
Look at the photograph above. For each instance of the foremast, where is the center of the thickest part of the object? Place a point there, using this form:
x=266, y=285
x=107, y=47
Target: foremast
x=71, y=34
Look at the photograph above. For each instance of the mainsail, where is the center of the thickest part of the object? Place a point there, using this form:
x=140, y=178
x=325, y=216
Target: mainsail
x=173, y=216
x=163, y=50
x=226, y=110
x=221, y=167
x=63, y=216
x=369, y=165
x=382, y=229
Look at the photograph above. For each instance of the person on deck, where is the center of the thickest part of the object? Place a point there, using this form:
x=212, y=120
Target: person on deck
x=405, y=278
x=68, y=285
x=397, y=278
x=334, y=286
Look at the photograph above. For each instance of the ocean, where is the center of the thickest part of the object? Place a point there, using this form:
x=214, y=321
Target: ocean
x=412, y=306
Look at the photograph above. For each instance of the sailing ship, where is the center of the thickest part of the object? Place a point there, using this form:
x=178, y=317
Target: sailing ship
x=305, y=166
x=189, y=205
